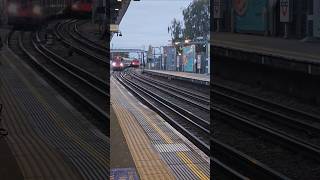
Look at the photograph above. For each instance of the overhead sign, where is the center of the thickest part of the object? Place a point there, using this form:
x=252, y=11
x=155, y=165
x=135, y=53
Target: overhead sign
x=114, y=27
x=316, y=18
x=285, y=10
x=250, y=15
x=217, y=9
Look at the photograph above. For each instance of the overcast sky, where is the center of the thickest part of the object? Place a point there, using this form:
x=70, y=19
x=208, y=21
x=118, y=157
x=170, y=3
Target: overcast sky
x=146, y=22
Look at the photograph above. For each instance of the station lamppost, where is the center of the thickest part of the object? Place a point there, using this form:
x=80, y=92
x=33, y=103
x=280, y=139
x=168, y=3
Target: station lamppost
x=178, y=46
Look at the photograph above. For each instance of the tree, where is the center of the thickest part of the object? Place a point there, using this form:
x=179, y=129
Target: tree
x=196, y=19
x=196, y=22
x=176, y=30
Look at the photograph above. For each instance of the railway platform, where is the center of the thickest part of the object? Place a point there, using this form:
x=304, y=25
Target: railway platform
x=47, y=137
x=289, y=48
x=158, y=151
x=185, y=76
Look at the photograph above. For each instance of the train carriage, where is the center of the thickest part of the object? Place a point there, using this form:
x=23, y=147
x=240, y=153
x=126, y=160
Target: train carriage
x=34, y=12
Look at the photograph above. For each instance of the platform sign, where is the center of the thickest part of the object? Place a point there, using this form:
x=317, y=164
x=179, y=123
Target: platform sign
x=189, y=55
x=250, y=15
x=217, y=9
x=114, y=27
x=285, y=10
x=316, y=18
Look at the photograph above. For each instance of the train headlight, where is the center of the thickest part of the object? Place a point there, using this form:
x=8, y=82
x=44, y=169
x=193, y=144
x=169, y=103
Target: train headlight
x=75, y=6
x=113, y=64
x=13, y=8
x=121, y=64
x=36, y=10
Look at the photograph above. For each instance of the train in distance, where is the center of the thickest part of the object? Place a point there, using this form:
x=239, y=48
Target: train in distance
x=119, y=63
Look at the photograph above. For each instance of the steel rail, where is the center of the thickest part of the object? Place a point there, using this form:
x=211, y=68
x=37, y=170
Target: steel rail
x=265, y=106
x=96, y=81
x=158, y=87
x=79, y=50
x=92, y=45
x=177, y=89
x=281, y=138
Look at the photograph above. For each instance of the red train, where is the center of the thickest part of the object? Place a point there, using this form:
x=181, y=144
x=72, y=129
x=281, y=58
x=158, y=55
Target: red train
x=82, y=7
x=117, y=63
x=34, y=12
x=135, y=63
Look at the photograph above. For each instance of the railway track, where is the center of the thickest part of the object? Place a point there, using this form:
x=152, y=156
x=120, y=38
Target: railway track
x=84, y=87
x=87, y=41
x=203, y=99
x=195, y=111
x=293, y=132
x=67, y=37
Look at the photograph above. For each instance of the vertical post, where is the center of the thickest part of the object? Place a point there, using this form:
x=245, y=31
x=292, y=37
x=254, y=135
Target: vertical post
x=285, y=30
x=154, y=54
x=232, y=21
x=266, y=19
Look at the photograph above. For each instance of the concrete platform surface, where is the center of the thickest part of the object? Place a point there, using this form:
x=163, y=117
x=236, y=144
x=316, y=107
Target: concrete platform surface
x=185, y=75
x=291, y=48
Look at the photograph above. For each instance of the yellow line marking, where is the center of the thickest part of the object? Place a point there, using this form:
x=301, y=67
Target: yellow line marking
x=194, y=168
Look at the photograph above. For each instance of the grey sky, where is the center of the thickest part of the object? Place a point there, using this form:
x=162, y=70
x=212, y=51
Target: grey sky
x=146, y=22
